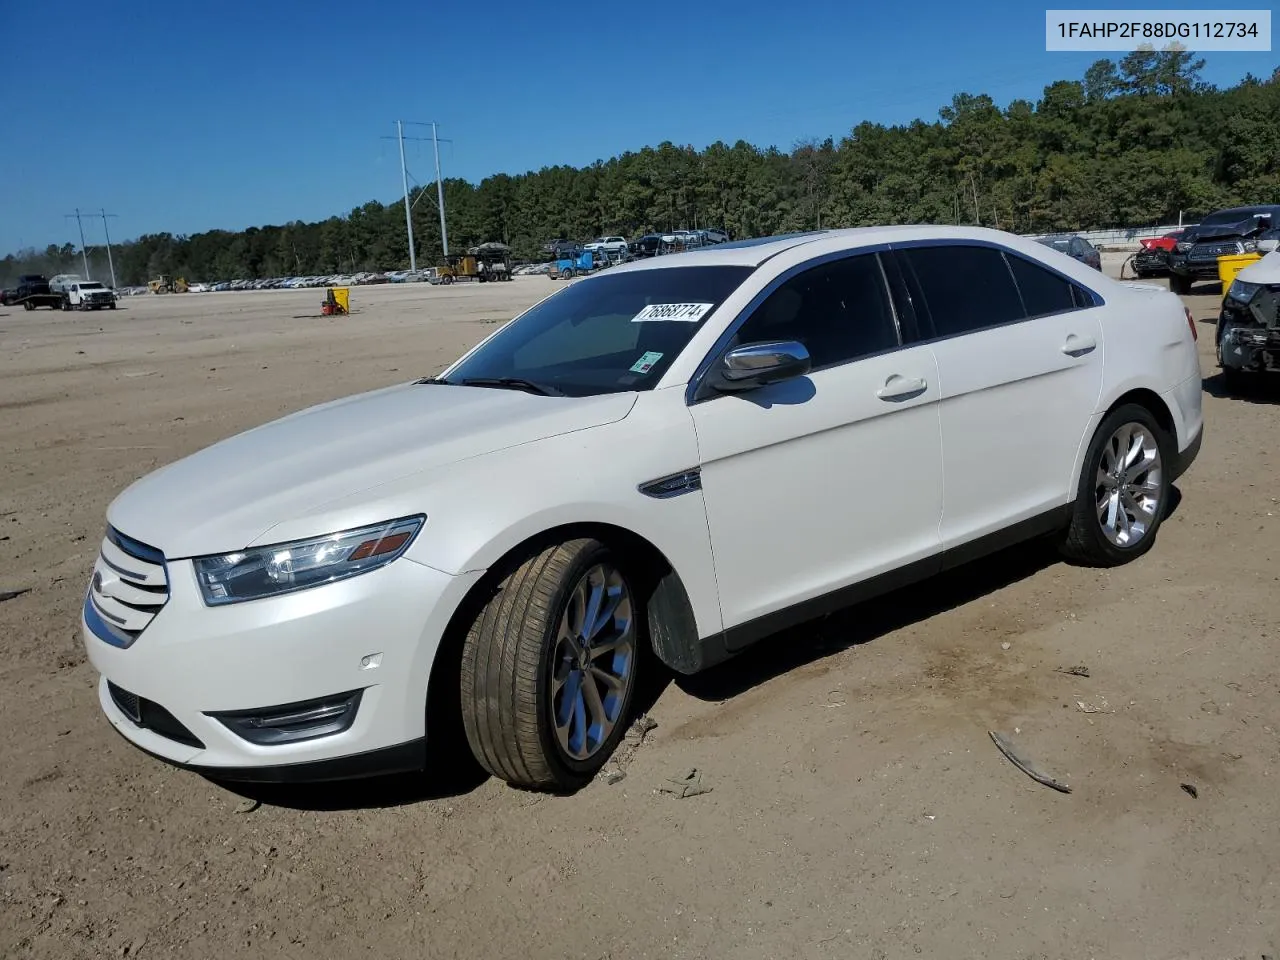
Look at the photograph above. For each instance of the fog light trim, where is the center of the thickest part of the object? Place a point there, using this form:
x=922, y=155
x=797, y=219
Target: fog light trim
x=293, y=722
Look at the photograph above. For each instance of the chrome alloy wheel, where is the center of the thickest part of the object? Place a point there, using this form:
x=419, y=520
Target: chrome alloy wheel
x=1128, y=485
x=593, y=663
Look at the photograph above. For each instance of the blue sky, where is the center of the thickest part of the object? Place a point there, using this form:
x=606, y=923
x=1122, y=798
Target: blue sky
x=187, y=117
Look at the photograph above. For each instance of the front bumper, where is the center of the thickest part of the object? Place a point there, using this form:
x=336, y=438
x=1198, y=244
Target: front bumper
x=377, y=633
x=1197, y=269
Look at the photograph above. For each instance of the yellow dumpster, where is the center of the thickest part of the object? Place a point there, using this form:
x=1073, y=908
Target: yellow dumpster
x=1228, y=267
x=343, y=296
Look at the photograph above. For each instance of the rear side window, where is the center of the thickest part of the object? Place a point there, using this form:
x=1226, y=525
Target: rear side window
x=964, y=288
x=840, y=311
x=1043, y=292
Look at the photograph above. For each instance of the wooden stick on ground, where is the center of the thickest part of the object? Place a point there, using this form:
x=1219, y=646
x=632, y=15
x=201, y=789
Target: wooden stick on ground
x=1005, y=747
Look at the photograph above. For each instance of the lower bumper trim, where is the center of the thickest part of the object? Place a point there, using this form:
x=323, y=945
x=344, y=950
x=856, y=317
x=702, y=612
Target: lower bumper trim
x=400, y=758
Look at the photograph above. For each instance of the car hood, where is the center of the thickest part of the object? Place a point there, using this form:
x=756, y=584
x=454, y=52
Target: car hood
x=229, y=495
x=1219, y=231
x=1266, y=270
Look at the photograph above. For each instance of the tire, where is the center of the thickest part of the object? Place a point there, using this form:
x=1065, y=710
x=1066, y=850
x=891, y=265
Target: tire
x=1179, y=284
x=28, y=305
x=518, y=668
x=446, y=279
x=111, y=306
x=1091, y=539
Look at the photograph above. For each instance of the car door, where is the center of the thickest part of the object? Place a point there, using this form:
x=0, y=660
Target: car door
x=1019, y=352
x=819, y=482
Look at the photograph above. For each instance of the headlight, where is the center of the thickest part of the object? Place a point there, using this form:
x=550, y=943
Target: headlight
x=1182, y=246
x=1250, y=246
x=285, y=567
x=1242, y=292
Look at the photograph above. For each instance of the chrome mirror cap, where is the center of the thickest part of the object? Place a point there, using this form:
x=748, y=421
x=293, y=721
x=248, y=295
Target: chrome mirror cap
x=754, y=365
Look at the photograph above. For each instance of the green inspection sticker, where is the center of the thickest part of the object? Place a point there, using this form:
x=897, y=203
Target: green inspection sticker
x=645, y=363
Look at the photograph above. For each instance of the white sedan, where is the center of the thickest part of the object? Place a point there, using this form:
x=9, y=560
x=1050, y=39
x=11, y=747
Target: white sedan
x=668, y=461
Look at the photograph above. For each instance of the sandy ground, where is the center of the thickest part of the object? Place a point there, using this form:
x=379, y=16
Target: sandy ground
x=857, y=809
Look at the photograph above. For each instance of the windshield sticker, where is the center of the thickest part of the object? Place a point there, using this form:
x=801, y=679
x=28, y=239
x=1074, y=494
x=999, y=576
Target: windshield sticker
x=683, y=312
x=645, y=363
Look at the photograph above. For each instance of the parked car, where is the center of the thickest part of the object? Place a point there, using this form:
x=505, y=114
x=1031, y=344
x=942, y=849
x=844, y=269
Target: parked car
x=646, y=246
x=1221, y=234
x=1075, y=246
x=614, y=246
x=775, y=429
x=1153, y=259
x=1248, y=333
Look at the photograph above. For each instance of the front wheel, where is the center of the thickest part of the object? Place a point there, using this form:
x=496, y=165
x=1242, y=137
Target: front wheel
x=1179, y=284
x=549, y=667
x=1123, y=490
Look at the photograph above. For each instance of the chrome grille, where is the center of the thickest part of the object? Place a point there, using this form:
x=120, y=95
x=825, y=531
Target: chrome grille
x=130, y=584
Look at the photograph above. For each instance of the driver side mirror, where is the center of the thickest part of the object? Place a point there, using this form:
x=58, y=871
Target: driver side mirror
x=1268, y=246
x=755, y=365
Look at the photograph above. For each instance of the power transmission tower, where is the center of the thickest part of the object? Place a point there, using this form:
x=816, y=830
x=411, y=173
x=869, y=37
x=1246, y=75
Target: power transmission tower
x=110, y=263
x=404, y=179
x=84, y=252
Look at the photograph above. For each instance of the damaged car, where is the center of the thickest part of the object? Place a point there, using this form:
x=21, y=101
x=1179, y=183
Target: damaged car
x=1249, y=325
x=1226, y=233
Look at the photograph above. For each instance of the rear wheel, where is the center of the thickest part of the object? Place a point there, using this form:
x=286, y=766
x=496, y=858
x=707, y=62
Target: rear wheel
x=549, y=667
x=1123, y=490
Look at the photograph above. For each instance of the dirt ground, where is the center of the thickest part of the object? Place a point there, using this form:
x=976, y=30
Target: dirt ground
x=857, y=806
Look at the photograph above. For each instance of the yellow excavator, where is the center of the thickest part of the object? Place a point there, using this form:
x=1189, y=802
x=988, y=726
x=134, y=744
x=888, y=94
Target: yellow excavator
x=167, y=285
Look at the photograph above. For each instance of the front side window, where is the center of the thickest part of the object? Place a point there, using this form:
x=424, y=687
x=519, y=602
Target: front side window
x=840, y=311
x=608, y=334
x=965, y=288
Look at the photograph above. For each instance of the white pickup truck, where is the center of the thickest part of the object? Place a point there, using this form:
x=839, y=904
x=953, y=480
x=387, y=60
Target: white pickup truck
x=612, y=245
x=88, y=295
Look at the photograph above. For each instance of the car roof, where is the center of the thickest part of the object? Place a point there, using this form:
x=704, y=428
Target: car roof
x=752, y=253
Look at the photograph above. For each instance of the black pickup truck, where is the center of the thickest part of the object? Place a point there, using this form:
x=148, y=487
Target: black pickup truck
x=1221, y=234
x=32, y=291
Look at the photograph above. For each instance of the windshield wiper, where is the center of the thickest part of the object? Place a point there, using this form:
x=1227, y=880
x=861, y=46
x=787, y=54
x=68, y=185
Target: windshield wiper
x=513, y=383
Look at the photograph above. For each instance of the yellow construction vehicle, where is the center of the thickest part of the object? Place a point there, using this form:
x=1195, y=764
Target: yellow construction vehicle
x=167, y=285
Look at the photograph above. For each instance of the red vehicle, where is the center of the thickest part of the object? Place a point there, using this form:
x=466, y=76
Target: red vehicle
x=1153, y=259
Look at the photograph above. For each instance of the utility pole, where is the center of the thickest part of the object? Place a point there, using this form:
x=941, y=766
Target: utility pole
x=84, y=253
x=444, y=235
x=404, y=179
x=110, y=263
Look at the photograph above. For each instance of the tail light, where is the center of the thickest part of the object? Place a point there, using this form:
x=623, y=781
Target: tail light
x=1191, y=323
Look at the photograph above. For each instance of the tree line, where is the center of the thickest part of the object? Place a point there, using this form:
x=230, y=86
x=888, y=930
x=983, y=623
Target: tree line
x=1137, y=141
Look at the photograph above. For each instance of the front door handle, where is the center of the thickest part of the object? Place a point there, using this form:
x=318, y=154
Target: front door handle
x=898, y=388
x=1077, y=346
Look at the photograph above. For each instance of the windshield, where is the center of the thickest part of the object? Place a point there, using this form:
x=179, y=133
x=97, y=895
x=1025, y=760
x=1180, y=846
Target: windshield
x=91, y=286
x=1058, y=243
x=607, y=334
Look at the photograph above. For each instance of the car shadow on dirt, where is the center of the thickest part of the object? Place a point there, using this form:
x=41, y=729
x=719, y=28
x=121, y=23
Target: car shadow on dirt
x=1255, y=388
x=862, y=623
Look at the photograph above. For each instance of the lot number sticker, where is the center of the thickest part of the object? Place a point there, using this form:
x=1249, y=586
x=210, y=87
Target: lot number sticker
x=683, y=312
x=645, y=363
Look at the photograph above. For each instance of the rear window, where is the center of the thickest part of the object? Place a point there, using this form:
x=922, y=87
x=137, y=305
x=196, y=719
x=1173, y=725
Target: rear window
x=612, y=333
x=1043, y=292
x=965, y=288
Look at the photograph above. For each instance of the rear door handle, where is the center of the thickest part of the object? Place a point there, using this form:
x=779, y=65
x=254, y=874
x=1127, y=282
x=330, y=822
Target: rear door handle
x=898, y=388
x=1078, y=346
